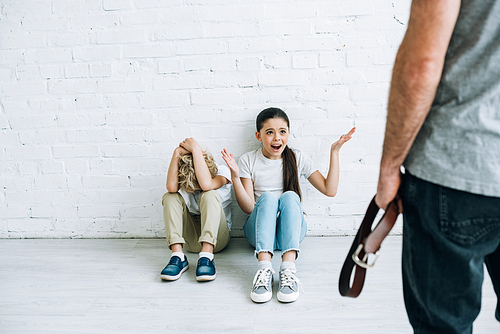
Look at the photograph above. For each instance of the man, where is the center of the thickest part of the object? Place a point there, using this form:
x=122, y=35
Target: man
x=443, y=126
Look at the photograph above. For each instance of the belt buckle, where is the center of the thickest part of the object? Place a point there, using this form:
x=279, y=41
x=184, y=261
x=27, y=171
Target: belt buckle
x=363, y=263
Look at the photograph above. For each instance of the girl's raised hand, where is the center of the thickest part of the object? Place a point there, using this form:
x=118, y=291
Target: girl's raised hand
x=343, y=139
x=231, y=163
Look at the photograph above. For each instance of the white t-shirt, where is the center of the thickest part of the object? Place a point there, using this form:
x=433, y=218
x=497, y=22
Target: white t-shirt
x=267, y=174
x=191, y=199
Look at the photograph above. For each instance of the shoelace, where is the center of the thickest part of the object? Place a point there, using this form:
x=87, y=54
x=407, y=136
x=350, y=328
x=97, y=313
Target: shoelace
x=287, y=278
x=262, y=278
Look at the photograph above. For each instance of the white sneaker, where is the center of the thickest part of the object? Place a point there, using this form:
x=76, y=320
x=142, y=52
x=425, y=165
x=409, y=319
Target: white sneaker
x=262, y=289
x=288, y=290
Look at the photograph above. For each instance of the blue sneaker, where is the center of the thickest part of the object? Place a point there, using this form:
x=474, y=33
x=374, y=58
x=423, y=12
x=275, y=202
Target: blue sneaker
x=174, y=269
x=205, y=271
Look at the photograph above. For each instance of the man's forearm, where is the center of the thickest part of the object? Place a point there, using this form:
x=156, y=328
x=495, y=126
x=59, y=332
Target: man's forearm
x=410, y=99
x=416, y=75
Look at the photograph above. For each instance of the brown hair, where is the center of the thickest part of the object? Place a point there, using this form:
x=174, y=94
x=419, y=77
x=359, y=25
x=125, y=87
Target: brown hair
x=290, y=173
x=187, y=175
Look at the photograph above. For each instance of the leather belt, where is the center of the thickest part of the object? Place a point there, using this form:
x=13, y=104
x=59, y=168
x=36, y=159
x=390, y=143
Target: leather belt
x=367, y=241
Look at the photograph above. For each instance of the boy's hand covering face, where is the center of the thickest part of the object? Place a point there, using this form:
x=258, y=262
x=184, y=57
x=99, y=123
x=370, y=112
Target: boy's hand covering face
x=191, y=145
x=181, y=150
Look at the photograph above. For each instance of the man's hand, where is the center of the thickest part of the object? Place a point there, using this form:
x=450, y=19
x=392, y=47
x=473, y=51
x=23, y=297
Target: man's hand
x=388, y=185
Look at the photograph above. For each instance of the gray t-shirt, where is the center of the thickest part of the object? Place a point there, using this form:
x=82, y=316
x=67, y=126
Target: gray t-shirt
x=459, y=143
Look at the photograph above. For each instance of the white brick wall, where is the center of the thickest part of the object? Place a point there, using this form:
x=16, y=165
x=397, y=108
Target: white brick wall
x=95, y=94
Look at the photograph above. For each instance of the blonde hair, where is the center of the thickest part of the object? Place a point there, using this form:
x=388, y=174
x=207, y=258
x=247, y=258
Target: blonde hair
x=186, y=174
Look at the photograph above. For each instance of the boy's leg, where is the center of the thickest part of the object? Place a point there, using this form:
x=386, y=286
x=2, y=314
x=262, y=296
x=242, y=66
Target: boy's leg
x=214, y=229
x=212, y=221
x=175, y=216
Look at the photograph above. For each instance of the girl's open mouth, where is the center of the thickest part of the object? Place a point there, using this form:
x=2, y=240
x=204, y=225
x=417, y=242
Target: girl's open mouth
x=276, y=148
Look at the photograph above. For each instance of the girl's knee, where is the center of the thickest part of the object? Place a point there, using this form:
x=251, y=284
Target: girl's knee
x=290, y=197
x=267, y=202
x=268, y=197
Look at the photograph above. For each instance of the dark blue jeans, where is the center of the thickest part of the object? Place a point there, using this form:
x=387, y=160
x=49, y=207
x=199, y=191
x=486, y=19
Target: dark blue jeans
x=448, y=236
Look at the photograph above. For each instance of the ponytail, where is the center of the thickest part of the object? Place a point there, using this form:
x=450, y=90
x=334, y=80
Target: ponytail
x=290, y=173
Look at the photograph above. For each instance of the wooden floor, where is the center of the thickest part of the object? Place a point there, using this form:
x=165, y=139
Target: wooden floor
x=113, y=286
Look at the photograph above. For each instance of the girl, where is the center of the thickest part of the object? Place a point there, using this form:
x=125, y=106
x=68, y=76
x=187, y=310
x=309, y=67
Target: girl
x=266, y=185
x=196, y=210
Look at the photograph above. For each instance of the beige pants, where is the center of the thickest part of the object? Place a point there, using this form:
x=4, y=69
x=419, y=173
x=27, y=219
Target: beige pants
x=182, y=227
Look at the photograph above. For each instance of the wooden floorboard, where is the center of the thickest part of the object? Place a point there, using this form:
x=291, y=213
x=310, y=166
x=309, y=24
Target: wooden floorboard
x=111, y=286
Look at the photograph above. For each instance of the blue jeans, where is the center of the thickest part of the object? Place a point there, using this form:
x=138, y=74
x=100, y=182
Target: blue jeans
x=276, y=223
x=448, y=236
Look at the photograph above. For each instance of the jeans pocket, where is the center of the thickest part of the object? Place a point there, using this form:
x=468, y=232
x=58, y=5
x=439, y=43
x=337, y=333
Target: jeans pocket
x=467, y=218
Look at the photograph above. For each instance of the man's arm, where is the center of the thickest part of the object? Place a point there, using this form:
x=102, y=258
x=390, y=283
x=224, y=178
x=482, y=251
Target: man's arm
x=415, y=78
